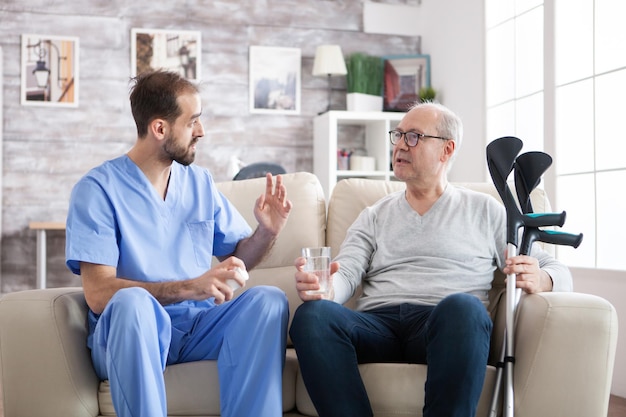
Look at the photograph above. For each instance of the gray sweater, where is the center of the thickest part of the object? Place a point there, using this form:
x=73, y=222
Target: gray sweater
x=401, y=257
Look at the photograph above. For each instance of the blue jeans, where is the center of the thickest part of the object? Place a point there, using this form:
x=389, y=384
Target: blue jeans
x=451, y=337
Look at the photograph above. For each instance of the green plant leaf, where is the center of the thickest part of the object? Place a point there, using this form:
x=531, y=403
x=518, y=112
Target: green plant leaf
x=427, y=94
x=365, y=74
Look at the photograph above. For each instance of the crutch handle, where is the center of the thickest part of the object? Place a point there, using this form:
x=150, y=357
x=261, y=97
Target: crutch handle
x=548, y=236
x=544, y=219
x=560, y=238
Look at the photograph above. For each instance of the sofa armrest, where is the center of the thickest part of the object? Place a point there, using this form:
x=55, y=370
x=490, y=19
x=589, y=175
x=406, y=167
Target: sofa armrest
x=564, y=355
x=45, y=364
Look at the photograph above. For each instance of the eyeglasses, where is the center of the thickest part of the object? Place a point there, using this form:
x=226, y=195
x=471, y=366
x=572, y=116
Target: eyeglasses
x=410, y=138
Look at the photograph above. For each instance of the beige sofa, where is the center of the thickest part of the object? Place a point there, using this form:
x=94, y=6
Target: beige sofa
x=565, y=343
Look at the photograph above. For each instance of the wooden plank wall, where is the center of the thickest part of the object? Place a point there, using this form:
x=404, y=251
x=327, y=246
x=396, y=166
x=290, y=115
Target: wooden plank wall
x=46, y=150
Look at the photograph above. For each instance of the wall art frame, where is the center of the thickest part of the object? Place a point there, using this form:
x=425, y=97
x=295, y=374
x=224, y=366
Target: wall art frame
x=50, y=70
x=404, y=76
x=172, y=50
x=274, y=85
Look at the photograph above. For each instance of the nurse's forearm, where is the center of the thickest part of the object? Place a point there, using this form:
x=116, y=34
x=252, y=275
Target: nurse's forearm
x=100, y=284
x=254, y=248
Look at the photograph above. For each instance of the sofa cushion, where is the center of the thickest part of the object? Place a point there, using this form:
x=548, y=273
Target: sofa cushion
x=183, y=401
x=395, y=389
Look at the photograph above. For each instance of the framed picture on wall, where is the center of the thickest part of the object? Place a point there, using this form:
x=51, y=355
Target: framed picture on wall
x=49, y=71
x=274, y=80
x=172, y=50
x=404, y=76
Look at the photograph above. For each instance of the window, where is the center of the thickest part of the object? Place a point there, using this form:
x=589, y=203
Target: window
x=588, y=82
x=515, y=71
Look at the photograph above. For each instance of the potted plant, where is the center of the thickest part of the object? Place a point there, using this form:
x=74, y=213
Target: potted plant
x=364, y=82
x=427, y=94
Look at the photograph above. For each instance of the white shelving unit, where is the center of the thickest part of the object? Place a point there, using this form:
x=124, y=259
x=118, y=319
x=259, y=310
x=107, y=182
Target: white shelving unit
x=325, y=144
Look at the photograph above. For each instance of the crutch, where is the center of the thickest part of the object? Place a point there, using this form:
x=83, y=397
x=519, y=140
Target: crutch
x=529, y=167
x=501, y=155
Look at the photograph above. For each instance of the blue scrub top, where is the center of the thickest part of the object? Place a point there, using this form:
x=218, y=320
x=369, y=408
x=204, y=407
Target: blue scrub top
x=117, y=218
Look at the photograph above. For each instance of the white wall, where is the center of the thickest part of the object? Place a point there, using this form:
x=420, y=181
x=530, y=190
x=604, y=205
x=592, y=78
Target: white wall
x=453, y=35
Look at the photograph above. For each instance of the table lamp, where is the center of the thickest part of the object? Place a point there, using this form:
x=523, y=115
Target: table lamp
x=329, y=61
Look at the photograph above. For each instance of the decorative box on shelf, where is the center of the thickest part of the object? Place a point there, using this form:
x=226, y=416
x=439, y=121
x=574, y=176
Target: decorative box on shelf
x=362, y=163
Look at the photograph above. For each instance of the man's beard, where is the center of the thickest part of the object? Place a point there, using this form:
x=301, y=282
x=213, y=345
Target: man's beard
x=184, y=155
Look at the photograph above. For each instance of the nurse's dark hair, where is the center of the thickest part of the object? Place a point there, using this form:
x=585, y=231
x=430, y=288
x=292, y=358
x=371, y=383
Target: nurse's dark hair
x=154, y=95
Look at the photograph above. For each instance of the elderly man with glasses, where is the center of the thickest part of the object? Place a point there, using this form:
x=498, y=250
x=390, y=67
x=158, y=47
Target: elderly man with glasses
x=424, y=258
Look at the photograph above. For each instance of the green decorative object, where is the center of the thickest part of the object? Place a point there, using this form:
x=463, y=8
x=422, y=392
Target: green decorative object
x=365, y=74
x=427, y=94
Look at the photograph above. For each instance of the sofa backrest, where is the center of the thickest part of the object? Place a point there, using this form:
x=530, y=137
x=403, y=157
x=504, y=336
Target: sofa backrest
x=307, y=222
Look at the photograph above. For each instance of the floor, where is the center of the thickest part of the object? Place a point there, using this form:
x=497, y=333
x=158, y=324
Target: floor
x=617, y=406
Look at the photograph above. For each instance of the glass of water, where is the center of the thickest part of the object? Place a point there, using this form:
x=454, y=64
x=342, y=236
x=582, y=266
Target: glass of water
x=318, y=262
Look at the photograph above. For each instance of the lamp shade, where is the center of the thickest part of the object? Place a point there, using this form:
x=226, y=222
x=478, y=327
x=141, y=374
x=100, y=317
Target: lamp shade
x=329, y=61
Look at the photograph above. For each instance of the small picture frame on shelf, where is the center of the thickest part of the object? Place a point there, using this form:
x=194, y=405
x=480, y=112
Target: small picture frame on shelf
x=49, y=71
x=404, y=77
x=172, y=50
x=274, y=80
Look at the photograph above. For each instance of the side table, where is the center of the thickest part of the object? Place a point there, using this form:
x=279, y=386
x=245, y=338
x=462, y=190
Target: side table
x=41, y=228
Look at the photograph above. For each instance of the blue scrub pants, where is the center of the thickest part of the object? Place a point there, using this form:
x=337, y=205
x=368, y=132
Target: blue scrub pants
x=136, y=337
x=451, y=337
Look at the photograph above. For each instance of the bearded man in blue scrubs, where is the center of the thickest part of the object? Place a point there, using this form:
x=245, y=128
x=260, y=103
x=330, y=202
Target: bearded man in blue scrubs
x=141, y=231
